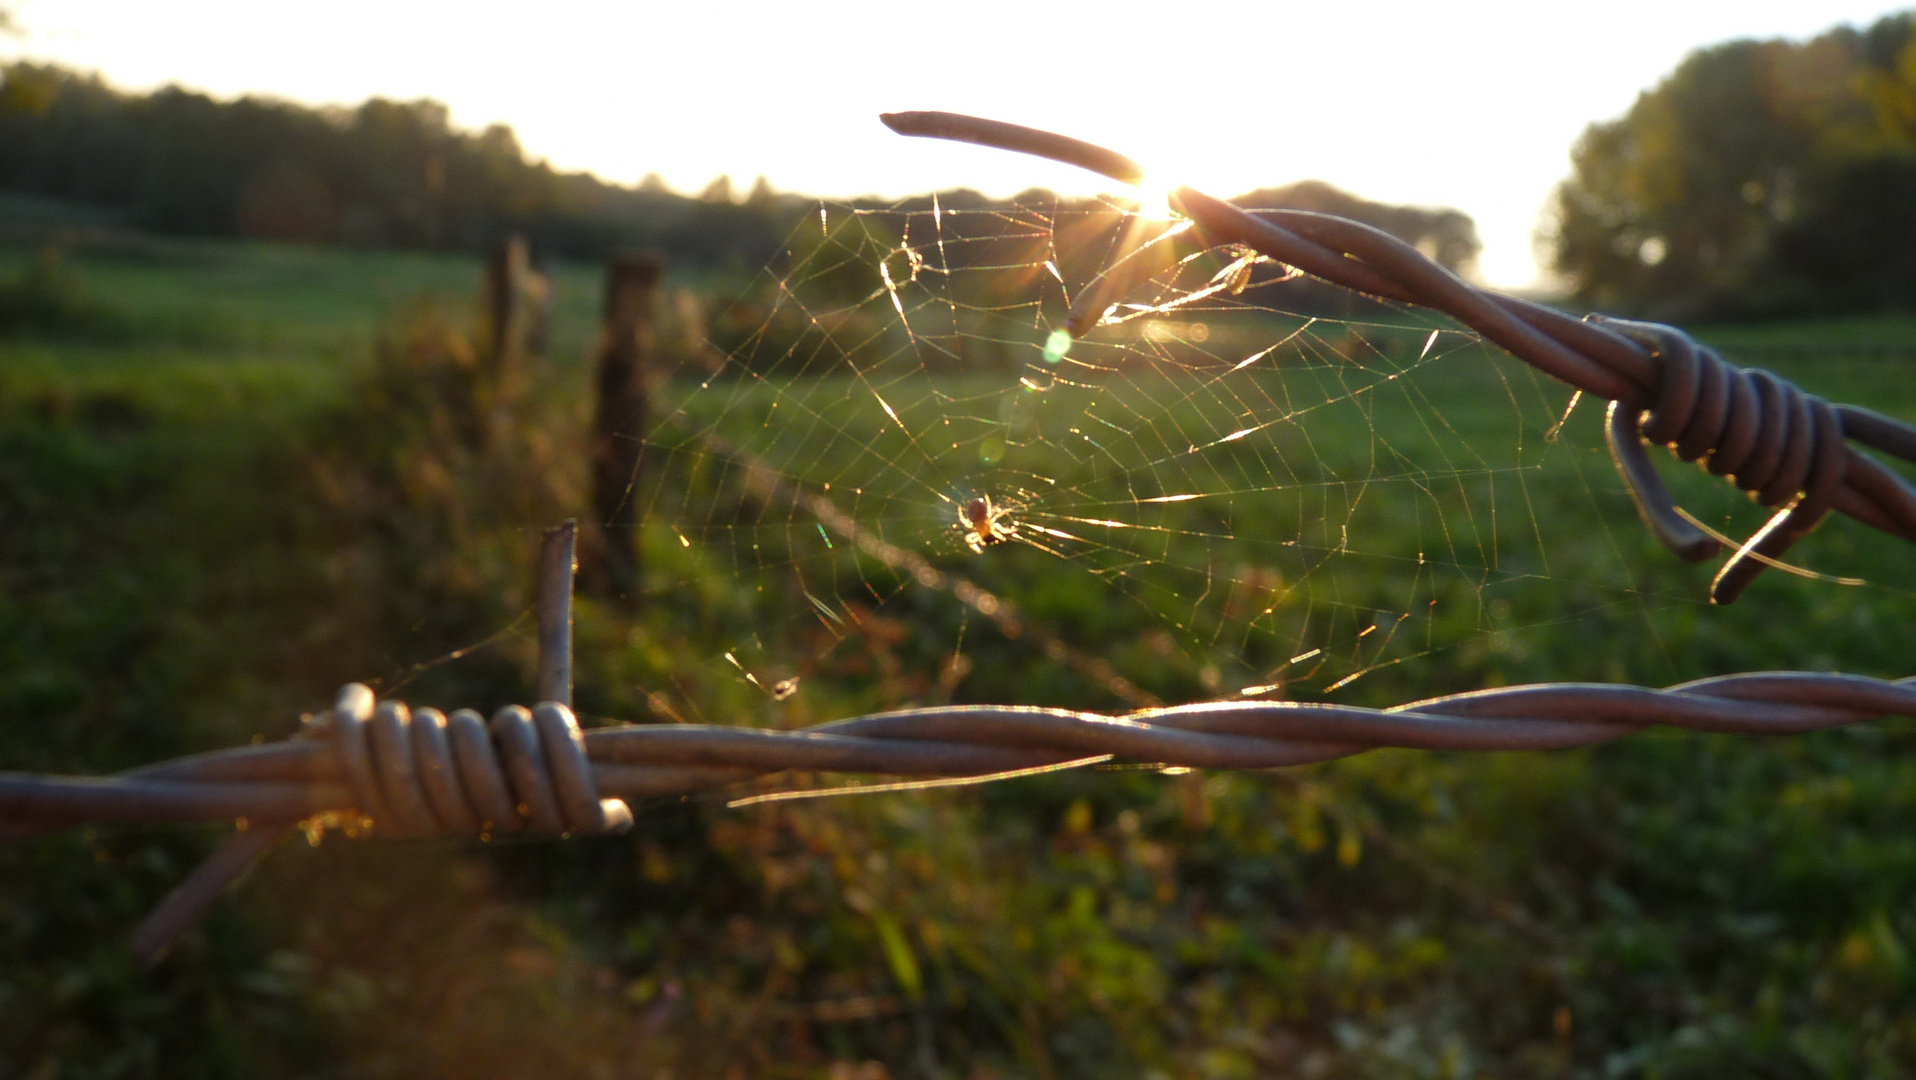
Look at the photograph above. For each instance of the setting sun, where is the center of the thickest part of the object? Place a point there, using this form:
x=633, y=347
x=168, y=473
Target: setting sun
x=1154, y=196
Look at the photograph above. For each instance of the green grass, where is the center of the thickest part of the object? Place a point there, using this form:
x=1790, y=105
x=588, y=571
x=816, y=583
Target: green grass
x=287, y=302
x=177, y=574
x=1838, y=336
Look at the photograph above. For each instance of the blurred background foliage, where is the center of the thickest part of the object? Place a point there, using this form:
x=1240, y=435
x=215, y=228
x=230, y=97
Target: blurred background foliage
x=1761, y=178
x=236, y=473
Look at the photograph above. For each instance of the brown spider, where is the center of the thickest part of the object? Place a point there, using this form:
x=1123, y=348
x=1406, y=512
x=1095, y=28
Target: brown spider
x=985, y=524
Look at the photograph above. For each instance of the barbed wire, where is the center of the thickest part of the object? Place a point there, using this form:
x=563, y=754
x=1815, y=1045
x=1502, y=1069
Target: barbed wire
x=379, y=769
x=371, y=768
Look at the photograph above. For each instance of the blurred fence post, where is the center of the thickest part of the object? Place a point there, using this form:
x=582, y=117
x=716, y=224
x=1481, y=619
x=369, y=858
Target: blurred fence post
x=538, y=288
x=626, y=350
x=502, y=303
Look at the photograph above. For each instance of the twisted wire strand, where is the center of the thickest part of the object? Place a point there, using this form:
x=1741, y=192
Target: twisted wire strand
x=1786, y=448
x=403, y=773
x=380, y=768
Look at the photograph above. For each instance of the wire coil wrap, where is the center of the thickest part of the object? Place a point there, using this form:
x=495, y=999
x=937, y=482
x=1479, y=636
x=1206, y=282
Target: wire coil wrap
x=1763, y=433
x=427, y=774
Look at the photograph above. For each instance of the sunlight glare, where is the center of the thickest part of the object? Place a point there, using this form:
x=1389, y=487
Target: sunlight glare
x=1153, y=194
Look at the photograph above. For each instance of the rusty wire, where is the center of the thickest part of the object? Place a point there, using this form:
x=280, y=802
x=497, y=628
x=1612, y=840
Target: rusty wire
x=380, y=769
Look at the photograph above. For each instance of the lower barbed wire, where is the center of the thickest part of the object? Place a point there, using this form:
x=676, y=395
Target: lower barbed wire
x=381, y=769
x=404, y=773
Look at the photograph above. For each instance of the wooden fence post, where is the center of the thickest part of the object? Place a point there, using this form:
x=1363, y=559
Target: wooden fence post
x=626, y=350
x=539, y=283
x=502, y=304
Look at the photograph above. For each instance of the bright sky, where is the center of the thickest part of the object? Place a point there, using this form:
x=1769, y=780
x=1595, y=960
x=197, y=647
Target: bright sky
x=1470, y=103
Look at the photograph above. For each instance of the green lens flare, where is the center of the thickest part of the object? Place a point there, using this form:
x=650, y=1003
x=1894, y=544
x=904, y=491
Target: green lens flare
x=1056, y=346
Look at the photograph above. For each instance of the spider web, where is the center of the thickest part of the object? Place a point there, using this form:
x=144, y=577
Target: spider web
x=1239, y=483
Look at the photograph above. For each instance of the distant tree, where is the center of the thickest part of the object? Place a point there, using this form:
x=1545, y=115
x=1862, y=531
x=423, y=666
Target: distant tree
x=1759, y=177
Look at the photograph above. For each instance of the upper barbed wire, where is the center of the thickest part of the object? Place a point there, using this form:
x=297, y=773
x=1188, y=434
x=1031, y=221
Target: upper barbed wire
x=1783, y=446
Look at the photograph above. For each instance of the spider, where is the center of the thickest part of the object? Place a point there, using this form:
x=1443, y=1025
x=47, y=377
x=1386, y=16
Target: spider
x=985, y=524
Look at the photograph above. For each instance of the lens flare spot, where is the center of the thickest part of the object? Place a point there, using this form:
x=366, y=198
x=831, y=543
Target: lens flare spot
x=1056, y=346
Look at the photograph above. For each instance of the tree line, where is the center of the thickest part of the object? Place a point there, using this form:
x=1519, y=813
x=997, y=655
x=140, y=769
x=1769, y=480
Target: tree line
x=386, y=173
x=1760, y=178
x=391, y=173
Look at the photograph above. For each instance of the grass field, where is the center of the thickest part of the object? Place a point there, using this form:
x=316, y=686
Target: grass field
x=216, y=505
